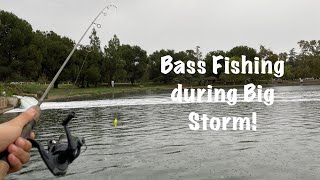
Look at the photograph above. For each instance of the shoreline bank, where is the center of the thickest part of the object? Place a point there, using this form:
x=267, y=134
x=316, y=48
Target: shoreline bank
x=68, y=92
x=8, y=103
x=158, y=89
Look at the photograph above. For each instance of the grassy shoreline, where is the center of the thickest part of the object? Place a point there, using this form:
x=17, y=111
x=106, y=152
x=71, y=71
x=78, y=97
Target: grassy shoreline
x=70, y=92
x=66, y=93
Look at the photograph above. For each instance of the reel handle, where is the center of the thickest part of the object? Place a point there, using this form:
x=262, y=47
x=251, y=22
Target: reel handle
x=68, y=118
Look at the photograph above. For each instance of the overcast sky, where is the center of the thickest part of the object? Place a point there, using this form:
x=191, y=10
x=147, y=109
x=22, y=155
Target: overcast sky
x=180, y=24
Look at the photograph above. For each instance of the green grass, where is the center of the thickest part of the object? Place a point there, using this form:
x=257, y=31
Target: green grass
x=68, y=90
x=10, y=89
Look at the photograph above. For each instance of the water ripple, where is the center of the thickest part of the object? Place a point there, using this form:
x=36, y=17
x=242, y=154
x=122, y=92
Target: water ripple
x=153, y=140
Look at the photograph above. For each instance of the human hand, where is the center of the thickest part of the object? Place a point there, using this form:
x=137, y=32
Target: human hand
x=19, y=153
x=10, y=139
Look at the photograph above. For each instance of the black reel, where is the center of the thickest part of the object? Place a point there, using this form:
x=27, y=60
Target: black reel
x=62, y=153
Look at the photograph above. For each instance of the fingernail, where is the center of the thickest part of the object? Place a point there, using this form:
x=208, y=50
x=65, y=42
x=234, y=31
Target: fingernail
x=31, y=111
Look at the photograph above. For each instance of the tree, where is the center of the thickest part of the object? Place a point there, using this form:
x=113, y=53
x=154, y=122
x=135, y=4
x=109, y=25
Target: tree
x=235, y=78
x=114, y=64
x=209, y=65
x=306, y=63
x=15, y=37
x=135, y=61
x=78, y=65
x=57, y=48
x=185, y=56
x=238, y=51
x=155, y=67
x=309, y=47
x=265, y=53
x=94, y=60
x=292, y=57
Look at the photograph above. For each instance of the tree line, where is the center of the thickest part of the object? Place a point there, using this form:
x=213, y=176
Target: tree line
x=33, y=55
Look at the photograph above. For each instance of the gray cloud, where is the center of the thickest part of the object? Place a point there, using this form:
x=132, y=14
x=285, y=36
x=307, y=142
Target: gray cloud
x=180, y=24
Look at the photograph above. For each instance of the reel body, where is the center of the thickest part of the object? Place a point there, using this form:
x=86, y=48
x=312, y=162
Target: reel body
x=60, y=153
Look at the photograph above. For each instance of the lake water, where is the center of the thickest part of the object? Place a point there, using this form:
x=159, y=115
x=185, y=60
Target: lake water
x=153, y=139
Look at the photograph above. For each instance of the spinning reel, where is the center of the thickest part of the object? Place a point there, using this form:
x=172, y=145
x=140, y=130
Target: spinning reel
x=63, y=152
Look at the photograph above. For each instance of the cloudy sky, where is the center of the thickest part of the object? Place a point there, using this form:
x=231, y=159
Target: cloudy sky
x=179, y=24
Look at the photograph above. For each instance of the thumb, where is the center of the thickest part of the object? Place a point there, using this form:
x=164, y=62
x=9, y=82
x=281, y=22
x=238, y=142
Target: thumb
x=33, y=113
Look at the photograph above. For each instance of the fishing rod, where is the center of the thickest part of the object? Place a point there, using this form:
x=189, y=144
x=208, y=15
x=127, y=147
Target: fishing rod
x=63, y=152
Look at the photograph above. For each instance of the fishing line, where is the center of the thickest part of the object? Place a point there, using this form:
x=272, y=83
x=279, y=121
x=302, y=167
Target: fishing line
x=78, y=75
x=86, y=147
x=71, y=53
x=89, y=50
